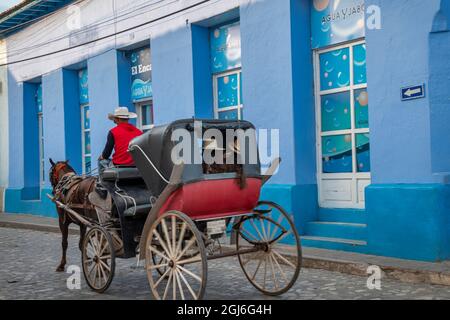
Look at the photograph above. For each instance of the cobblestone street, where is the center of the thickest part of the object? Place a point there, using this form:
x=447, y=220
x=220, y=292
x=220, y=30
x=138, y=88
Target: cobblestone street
x=28, y=260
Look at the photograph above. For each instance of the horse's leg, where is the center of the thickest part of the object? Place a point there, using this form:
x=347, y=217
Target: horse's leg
x=64, y=227
x=82, y=234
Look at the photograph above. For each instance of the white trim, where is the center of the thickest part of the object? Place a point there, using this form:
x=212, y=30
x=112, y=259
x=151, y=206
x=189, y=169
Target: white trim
x=341, y=180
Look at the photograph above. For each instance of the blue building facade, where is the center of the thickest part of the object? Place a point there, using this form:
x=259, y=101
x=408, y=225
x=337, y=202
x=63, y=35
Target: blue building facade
x=364, y=168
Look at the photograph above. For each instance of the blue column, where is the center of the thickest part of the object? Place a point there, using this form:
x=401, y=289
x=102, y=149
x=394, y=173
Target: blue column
x=72, y=119
x=53, y=115
x=172, y=75
x=277, y=94
x=103, y=98
x=16, y=137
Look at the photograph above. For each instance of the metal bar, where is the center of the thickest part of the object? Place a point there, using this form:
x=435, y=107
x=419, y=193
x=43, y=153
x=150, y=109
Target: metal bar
x=233, y=253
x=70, y=211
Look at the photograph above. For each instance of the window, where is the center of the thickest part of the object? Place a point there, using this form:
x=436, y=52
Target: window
x=41, y=134
x=228, y=96
x=225, y=49
x=343, y=125
x=86, y=139
x=86, y=154
x=145, y=115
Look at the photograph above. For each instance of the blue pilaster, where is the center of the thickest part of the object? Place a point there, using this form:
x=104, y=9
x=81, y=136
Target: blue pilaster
x=172, y=75
x=103, y=98
x=54, y=121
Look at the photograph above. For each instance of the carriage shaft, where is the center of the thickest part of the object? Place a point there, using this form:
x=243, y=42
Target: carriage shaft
x=234, y=253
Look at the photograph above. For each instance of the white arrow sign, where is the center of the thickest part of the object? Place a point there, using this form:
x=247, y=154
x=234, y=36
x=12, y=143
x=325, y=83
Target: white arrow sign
x=413, y=92
x=410, y=92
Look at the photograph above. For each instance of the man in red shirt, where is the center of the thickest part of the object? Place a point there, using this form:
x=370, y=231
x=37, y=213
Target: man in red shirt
x=119, y=138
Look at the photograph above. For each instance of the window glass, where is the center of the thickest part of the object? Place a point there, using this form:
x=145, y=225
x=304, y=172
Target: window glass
x=146, y=114
x=228, y=91
x=225, y=47
x=87, y=142
x=87, y=119
x=335, y=69
x=229, y=115
x=361, y=109
x=83, y=86
x=337, y=154
x=359, y=64
x=336, y=111
x=363, y=152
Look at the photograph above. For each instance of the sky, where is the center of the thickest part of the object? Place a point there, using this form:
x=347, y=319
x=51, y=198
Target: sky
x=5, y=4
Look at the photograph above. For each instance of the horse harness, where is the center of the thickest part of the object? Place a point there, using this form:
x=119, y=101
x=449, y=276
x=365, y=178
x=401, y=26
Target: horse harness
x=74, y=191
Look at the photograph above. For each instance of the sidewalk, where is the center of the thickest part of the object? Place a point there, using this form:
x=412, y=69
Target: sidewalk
x=338, y=261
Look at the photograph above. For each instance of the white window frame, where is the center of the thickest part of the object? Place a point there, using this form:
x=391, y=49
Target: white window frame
x=84, y=155
x=357, y=199
x=138, y=106
x=239, y=106
x=41, y=148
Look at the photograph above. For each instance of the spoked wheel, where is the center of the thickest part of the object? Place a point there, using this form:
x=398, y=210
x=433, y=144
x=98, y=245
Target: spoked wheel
x=174, y=245
x=274, y=267
x=98, y=258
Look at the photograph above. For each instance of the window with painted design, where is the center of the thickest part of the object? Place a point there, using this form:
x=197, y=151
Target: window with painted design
x=141, y=87
x=343, y=124
x=225, y=50
x=85, y=121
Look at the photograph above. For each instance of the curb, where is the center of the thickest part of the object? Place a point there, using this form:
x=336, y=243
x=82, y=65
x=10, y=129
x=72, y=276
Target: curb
x=401, y=274
x=35, y=227
x=388, y=272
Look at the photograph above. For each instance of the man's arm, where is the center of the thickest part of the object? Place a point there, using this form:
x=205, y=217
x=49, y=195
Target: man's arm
x=108, y=147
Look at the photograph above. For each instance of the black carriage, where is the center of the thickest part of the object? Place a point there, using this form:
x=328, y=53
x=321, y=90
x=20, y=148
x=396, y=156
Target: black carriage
x=176, y=212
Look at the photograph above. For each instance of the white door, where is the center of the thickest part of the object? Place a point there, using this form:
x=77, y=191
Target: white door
x=343, y=140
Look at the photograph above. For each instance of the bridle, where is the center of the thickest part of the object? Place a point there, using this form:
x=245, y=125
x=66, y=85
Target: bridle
x=56, y=172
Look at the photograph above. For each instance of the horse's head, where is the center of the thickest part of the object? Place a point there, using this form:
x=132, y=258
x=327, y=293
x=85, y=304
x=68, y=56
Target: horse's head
x=59, y=170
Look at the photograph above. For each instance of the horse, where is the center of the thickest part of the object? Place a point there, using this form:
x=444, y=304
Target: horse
x=72, y=190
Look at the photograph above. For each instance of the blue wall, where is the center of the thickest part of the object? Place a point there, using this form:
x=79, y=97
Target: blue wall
x=439, y=82
x=398, y=56
x=407, y=206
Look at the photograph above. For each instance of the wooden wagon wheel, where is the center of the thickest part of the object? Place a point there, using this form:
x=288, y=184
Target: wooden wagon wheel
x=174, y=239
x=275, y=267
x=98, y=258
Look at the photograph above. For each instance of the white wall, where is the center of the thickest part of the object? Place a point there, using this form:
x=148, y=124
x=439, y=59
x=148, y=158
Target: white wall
x=96, y=21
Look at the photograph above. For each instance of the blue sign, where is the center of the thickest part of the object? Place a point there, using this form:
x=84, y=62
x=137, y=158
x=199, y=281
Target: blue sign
x=141, y=74
x=336, y=21
x=225, y=47
x=413, y=92
x=83, y=86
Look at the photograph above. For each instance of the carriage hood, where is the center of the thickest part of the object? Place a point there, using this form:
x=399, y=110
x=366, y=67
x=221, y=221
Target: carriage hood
x=152, y=151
